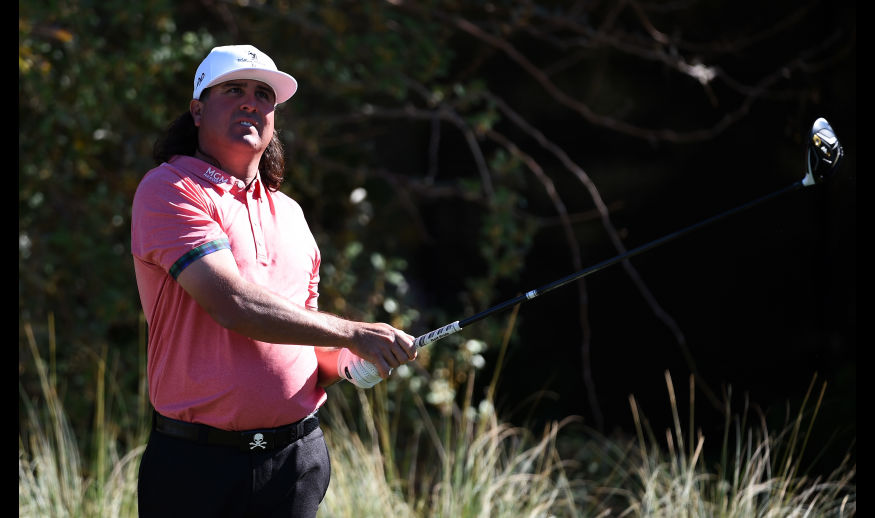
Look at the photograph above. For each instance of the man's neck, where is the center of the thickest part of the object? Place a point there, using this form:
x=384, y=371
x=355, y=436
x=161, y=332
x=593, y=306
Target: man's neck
x=245, y=169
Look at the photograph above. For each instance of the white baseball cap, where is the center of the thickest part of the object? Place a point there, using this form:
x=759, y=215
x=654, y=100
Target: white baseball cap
x=242, y=62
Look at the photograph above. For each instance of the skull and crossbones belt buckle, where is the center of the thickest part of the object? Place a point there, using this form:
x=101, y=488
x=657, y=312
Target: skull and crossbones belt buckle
x=250, y=440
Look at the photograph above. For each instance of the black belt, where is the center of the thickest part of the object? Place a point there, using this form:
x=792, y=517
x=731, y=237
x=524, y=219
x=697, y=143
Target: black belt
x=248, y=440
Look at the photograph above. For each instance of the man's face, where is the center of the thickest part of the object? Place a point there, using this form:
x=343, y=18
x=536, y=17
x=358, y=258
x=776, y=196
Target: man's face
x=236, y=117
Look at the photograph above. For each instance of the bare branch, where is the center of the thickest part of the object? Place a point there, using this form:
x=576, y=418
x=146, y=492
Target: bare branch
x=655, y=50
x=583, y=109
x=574, y=246
x=614, y=236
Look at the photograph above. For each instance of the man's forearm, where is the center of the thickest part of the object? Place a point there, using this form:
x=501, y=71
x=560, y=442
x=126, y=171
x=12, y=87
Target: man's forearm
x=254, y=311
x=262, y=315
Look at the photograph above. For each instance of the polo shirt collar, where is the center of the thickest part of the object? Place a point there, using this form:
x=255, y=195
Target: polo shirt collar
x=213, y=175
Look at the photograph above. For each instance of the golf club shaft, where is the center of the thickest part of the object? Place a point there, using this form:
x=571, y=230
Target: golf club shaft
x=824, y=153
x=458, y=325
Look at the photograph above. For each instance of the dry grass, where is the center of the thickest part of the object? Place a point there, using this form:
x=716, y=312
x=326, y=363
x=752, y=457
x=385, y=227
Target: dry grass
x=469, y=464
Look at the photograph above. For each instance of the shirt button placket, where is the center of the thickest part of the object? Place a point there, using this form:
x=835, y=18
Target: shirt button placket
x=257, y=230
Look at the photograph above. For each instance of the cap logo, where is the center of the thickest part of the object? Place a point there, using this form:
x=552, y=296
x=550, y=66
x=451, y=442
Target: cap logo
x=253, y=58
x=199, y=79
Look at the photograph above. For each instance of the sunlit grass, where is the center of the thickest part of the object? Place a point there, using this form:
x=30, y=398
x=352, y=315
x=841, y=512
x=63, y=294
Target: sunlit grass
x=477, y=468
x=465, y=463
x=53, y=479
x=760, y=473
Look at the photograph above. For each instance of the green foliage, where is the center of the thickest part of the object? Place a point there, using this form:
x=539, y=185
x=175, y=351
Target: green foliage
x=97, y=82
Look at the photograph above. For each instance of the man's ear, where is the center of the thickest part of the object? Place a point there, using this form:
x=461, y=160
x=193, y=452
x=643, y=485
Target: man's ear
x=196, y=109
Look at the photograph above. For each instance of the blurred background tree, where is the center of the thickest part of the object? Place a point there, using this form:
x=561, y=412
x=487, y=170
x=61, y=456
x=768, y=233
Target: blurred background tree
x=450, y=155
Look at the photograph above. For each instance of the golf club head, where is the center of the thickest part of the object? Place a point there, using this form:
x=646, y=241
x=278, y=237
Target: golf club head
x=824, y=152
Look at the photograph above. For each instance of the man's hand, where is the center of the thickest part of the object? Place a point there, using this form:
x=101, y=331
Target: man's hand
x=383, y=346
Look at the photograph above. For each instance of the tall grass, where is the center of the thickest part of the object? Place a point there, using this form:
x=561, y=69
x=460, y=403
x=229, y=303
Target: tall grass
x=470, y=464
x=761, y=472
x=476, y=469
x=53, y=479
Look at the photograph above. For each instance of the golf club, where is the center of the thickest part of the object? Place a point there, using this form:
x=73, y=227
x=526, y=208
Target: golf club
x=823, y=155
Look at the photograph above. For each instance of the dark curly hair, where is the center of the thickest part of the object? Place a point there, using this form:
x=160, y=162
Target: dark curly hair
x=180, y=138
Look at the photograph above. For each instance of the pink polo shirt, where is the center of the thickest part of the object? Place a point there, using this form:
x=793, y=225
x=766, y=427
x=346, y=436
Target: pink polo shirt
x=199, y=371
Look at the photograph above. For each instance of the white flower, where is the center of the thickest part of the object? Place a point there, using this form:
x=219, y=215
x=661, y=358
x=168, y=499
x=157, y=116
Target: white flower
x=475, y=346
x=440, y=392
x=485, y=408
x=358, y=195
x=390, y=305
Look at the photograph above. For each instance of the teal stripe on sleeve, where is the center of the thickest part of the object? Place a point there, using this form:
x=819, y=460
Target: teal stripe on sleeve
x=196, y=253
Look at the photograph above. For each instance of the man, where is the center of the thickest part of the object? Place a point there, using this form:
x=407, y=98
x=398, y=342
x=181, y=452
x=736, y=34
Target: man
x=228, y=274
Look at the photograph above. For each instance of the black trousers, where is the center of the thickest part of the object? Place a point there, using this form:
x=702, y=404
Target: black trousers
x=184, y=478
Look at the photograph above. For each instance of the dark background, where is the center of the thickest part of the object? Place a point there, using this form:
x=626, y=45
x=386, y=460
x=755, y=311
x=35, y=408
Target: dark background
x=765, y=299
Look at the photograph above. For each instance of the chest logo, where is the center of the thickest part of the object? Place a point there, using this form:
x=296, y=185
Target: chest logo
x=214, y=176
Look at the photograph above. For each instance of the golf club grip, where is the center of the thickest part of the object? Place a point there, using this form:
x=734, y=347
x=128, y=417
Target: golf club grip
x=366, y=374
x=437, y=334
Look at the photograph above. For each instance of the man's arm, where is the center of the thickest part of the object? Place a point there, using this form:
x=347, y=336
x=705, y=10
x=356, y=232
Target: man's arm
x=251, y=310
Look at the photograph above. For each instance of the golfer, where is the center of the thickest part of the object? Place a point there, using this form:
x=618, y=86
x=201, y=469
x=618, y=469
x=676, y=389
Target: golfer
x=228, y=276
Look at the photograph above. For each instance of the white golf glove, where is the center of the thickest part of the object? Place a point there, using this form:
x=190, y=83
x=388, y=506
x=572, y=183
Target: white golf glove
x=357, y=370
